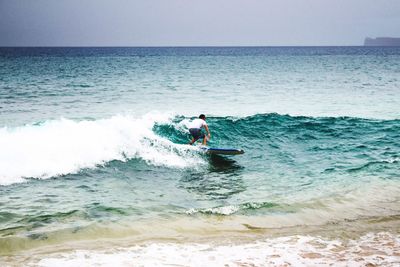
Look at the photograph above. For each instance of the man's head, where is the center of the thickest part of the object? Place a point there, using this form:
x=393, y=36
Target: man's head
x=202, y=116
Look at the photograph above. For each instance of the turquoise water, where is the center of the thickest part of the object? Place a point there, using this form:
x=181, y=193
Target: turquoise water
x=93, y=141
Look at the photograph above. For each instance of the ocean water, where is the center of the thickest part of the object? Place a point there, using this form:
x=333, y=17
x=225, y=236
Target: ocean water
x=95, y=168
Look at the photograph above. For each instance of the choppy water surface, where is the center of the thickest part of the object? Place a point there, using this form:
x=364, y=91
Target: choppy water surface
x=93, y=145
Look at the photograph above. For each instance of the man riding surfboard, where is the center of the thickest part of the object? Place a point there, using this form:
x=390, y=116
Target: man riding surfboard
x=195, y=130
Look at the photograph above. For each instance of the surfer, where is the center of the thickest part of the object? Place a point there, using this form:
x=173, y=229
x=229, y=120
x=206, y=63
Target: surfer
x=195, y=130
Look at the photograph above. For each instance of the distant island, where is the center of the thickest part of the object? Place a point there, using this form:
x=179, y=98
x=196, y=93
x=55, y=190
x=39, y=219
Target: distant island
x=382, y=41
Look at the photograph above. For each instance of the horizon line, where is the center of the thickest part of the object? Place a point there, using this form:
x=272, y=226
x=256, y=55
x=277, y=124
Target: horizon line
x=171, y=46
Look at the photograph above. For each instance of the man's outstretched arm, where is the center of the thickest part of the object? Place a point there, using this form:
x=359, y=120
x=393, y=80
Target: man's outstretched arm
x=208, y=131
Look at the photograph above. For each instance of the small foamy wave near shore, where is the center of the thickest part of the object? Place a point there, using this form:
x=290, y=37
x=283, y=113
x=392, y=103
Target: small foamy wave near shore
x=379, y=249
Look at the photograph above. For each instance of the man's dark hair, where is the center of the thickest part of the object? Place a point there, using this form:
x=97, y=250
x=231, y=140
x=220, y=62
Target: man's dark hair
x=202, y=116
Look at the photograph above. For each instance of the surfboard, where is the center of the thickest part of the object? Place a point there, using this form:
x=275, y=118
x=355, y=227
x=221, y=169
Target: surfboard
x=221, y=151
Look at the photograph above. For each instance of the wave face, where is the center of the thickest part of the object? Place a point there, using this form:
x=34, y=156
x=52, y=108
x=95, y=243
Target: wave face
x=326, y=145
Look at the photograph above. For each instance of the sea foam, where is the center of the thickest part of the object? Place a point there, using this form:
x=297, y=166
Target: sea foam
x=369, y=250
x=64, y=146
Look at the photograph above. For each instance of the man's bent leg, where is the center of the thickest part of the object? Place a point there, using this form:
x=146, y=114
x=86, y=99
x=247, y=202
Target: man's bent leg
x=193, y=141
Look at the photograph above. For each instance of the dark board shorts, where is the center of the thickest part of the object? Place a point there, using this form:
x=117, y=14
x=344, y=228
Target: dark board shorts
x=196, y=133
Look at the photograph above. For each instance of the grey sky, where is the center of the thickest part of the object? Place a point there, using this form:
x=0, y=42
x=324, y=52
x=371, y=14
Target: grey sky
x=190, y=22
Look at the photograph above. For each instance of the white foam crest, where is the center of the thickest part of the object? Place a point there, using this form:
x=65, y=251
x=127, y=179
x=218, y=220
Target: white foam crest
x=375, y=249
x=65, y=146
x=183, y=124
x=223, y=210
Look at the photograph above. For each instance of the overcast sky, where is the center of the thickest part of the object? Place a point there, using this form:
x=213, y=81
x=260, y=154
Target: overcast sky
x=195, y=23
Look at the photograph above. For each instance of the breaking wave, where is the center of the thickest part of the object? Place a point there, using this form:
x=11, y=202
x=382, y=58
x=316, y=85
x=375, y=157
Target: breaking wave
x=59, y=147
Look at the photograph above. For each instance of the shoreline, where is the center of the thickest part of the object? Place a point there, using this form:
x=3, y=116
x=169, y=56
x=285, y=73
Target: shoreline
x=374, y=240
x=371, y=249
